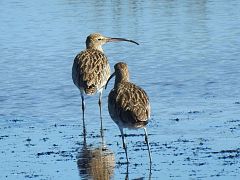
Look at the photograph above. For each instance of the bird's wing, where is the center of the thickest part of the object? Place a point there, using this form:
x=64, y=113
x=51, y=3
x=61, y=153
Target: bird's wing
x=90, y=70
x=133, y=102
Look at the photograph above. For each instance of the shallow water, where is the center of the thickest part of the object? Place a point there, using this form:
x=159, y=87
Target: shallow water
x=187, y=61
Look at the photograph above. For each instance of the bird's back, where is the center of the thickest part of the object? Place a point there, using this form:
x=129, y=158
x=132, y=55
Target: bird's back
x=129, y=105
x=90, y=70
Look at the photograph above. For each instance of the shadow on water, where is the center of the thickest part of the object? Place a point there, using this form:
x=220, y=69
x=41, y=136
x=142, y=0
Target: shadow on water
x=95, y=162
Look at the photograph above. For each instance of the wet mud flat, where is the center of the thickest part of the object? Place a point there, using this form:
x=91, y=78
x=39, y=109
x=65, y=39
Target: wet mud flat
x=186, y=146
x=187, y=61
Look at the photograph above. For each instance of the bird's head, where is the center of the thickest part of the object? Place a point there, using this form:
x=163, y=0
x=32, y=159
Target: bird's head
x=96, y=40
x=121, y=73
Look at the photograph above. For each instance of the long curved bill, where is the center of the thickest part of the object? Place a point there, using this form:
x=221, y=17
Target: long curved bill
x=113, y=74
x=120, y=39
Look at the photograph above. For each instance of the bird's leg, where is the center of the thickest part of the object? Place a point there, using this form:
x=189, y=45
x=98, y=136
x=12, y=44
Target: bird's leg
x=150, y=171
x=124, y=145
x=100, y=103
x=83, y=110
x=126, y=177
x=146, y=139
x=100, y=109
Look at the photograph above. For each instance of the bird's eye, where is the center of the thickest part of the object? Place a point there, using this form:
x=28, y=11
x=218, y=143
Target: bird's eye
x=99, y=39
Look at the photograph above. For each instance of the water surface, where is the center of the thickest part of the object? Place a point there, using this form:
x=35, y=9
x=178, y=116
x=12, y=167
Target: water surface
x=187, y=61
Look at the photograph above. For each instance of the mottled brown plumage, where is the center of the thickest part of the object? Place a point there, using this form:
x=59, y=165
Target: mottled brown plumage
x=128, y=104
x=91, y=69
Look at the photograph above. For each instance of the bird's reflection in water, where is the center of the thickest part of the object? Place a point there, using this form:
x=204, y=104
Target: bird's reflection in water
x=95, y=163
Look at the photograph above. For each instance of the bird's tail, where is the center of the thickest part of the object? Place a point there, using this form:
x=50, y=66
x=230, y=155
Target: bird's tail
x=90, y=90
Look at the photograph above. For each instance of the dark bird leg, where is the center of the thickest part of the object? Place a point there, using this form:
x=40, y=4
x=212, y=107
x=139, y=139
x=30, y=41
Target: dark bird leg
x=126, y=177
x=83, y=111
x=146, y=139
x=100, y=108
x=124, y=145
x=150, y=171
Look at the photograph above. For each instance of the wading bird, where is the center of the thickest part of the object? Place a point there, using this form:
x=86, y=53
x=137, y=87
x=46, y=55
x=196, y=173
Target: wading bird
x=128, y=104
x=91, y=70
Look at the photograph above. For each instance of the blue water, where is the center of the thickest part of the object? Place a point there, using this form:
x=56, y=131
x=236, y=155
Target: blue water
x=187, y=61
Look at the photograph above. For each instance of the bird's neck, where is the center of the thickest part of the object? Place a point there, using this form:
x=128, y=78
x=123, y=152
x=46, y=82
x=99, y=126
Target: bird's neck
x=99, y=48
x=120, y=80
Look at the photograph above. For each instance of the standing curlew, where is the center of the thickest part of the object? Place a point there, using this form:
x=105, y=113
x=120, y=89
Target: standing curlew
x=128, y=104
x=91, y=69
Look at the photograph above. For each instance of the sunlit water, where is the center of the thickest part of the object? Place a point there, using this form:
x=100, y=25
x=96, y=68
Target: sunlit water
x=188, y=61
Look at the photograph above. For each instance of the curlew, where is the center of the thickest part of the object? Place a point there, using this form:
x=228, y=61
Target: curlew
x=128, y=104
x=91, y=69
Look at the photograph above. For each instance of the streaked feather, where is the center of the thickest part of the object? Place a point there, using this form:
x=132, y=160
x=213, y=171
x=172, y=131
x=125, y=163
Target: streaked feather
x=129, y=105
x=90, y=70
